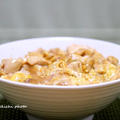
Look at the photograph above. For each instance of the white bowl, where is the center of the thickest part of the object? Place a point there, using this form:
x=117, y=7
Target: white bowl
x=59, y=101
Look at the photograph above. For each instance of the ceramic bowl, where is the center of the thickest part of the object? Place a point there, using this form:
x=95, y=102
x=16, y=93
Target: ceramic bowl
x=59, y=102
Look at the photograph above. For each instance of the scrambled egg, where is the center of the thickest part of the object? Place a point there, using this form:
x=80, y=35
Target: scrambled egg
x=20, y=77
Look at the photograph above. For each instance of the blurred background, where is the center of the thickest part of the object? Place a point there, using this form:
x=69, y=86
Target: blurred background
x=21, y=19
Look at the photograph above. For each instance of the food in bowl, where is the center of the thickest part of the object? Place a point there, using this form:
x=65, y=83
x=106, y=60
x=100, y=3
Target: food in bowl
x=77, y=65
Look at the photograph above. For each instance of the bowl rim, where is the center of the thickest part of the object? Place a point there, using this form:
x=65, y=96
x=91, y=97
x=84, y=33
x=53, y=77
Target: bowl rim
x=103, y=84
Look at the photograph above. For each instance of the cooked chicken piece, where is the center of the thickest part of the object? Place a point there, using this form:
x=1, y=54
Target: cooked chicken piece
x=55, y=54
x=73, y=48
x=56, y=51
x=113, y=60
x=98, y=58
x=12, y=65
x=38, y=52
x=84, y=52
x=100, y=68
x=76, y=66
x=78, y=49
x=32, y=60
